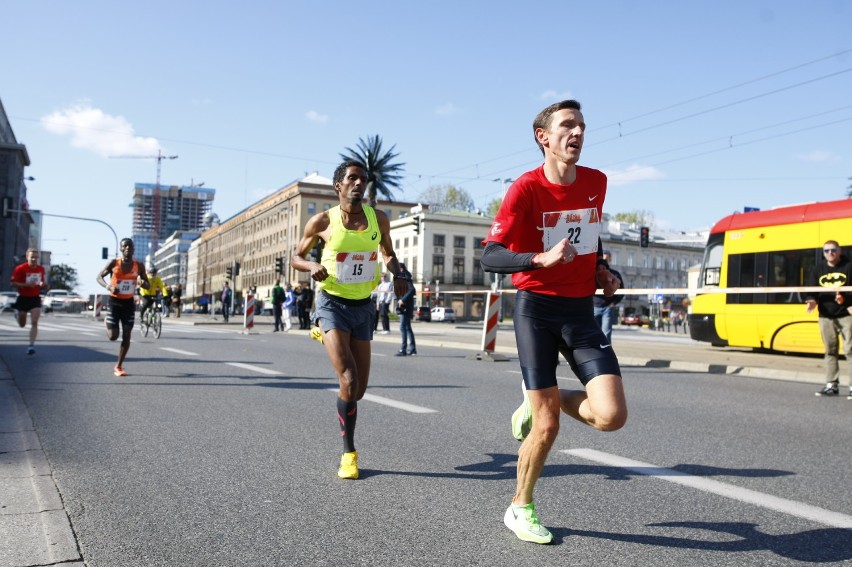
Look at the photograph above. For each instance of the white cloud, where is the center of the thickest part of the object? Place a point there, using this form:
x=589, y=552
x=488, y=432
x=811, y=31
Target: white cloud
x=634, y=173
x=554, y=96
x=447, y=109
x=315, y=116
x=816, y=155
x=94, y=130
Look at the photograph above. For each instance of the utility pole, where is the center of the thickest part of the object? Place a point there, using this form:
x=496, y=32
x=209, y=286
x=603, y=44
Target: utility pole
x=155, y=212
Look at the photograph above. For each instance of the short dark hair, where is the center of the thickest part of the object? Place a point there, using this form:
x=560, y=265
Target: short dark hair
x=123, y=240
x=542, y=120
x=340, y=170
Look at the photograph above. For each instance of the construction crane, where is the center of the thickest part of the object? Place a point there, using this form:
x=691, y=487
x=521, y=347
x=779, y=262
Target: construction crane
x=155, y=213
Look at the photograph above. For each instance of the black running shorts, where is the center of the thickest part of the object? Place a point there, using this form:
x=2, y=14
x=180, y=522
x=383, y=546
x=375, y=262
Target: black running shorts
x=546, y=325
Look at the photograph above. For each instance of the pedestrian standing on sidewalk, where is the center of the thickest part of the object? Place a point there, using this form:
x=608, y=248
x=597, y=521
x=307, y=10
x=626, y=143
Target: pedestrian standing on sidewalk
x=606, y=308
x=835, y=314
x=227, y=301
x=346, y=275
x=125, y=274
x=277, y=305
x=405, y=310
x=546, y=234
x=384, y=297
x=30, y=280
x=289, y=306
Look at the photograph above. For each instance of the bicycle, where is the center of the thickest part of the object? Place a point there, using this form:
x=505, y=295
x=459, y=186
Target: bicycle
x=152, y=319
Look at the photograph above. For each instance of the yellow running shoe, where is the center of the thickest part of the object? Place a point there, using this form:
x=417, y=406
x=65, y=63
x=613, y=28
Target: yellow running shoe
x=316, y=334
x=348, y=466
x=522, y=418
x=523, y=520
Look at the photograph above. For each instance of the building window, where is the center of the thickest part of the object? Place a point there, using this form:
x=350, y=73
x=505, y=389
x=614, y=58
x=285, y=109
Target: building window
x=478, y=274
x=458, y=241
x=458, y=270
x=477, y=243
x=312, y=208
x=438, y=240
x=326, y=206
x=405, y=242
x=438, y=267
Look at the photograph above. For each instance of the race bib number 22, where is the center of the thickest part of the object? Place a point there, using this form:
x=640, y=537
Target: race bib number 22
x=581, y=227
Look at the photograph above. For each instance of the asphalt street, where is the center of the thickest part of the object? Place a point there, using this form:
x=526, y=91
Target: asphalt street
x=221, y=448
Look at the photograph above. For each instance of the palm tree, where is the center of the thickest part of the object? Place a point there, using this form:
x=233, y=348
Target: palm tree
x=383, y=176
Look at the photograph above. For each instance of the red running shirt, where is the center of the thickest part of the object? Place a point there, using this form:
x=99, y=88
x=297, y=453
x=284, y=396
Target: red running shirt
x=537, y=213
x=33, y=277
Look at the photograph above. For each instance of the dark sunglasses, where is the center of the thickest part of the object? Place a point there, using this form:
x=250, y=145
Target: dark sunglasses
x=830, y=250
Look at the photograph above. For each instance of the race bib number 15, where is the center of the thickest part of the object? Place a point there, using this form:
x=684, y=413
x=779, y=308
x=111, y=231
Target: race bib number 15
x=581, y=227
x=356, y=267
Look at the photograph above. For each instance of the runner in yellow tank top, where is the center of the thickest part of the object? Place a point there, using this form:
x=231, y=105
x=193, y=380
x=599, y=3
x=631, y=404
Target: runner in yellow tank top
x=346, y=275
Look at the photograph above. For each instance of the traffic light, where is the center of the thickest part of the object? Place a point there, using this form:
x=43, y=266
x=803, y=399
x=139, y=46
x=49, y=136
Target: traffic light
x=229, y=271
x=104, y=253
x=7, y=207
x=279, y=265
x=236, y=268
x=416, y=225
x=644, y=236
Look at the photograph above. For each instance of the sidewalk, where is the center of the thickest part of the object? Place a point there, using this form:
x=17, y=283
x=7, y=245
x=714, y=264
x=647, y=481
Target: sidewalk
x=35, y=529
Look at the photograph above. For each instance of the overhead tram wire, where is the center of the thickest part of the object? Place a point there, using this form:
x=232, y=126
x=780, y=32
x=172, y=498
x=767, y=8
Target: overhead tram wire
x=726, y=89
x=732, y=136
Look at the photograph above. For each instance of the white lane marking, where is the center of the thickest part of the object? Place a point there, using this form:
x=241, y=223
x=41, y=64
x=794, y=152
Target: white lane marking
x=255, y=368
x=178, y=351
x=791, y=507
x=393, y=403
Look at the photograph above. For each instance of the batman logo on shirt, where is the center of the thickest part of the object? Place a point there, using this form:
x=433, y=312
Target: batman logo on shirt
x=834, y=279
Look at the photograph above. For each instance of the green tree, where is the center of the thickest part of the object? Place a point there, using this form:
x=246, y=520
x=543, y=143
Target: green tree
x=384, y=175
x=642, y=218
x=447, y=197
x=494, y=206
x=63, y=276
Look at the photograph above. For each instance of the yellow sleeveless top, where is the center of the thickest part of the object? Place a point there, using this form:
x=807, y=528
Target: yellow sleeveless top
x=351, y=257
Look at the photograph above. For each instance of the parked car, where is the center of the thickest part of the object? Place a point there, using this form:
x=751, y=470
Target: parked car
x=634, y=319
x=55, y=299
x=423, y=313
x=7, y=300
x=444, y=314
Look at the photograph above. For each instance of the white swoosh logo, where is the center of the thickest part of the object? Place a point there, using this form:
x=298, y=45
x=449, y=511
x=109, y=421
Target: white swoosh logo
x=605, y=346
x=592, y=198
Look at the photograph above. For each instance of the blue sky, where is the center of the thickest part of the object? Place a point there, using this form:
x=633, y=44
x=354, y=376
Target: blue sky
x=694, y=109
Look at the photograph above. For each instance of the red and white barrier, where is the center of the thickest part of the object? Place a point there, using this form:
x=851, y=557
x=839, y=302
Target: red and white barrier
x=99, y=304
x=248, y=314
x=489, y=328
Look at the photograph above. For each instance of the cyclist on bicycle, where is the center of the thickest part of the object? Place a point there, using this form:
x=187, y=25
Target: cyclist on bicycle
x=156, y=292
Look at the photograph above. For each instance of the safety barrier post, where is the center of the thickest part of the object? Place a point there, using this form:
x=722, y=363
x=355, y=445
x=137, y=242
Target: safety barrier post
x=489, y=329
x=248, y=315
x=98, y=305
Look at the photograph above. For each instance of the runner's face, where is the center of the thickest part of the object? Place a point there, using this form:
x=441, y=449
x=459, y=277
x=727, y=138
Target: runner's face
x=353, y=186
x=127, y=249
x=565, y=135
x=32, y=258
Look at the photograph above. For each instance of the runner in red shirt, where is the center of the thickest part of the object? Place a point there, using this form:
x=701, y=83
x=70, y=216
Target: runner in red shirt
x=546, y=234
x=30, y=280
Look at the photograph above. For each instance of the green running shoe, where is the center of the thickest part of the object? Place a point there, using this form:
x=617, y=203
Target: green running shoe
x=522, y=418
x=523, y=520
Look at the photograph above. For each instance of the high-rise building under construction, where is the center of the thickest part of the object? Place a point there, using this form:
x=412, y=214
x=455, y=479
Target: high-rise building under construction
x=158, y=212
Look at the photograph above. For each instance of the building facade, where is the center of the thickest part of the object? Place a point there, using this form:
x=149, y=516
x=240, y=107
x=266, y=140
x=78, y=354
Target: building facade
x=172, y=257
x=249, y=243
x=160, y=211
x=17, y=226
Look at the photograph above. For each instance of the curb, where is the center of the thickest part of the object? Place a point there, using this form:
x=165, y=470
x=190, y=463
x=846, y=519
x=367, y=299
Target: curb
x=34, y=526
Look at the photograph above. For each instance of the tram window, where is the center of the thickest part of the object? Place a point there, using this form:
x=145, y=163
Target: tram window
x=713, y=265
